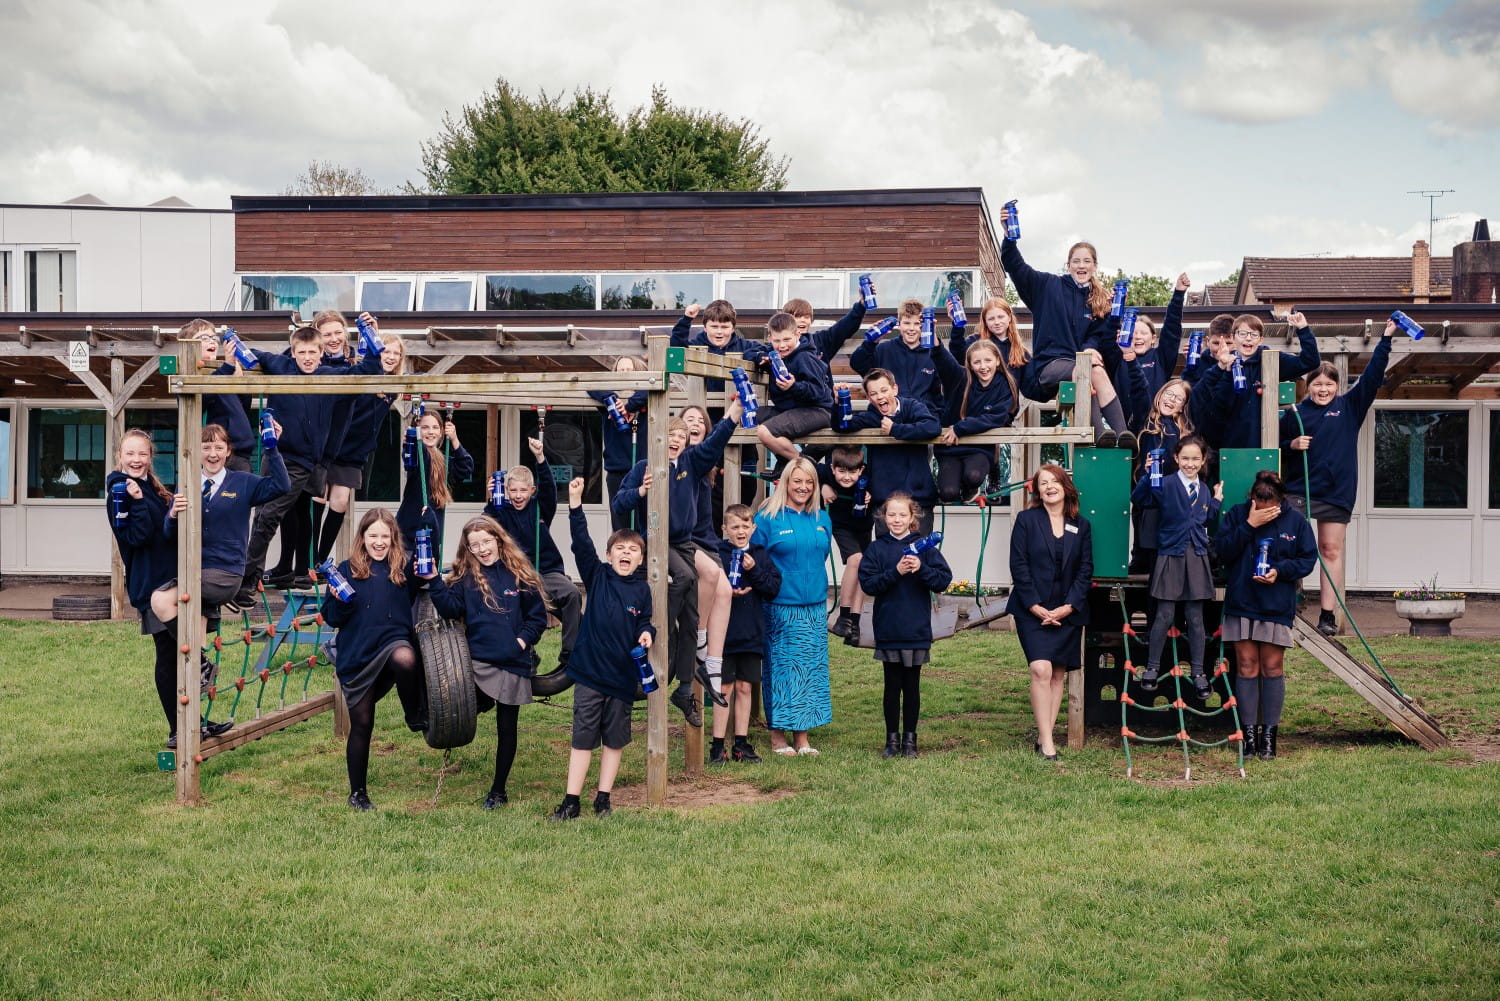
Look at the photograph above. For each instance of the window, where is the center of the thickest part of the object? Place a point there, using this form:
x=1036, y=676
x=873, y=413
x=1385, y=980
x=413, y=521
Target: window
x=655, y=291
x=5, y=306
x=5, y=453
x=472, y=426
x=446, y=293
x=383, y=478
x=306, y=294
x=161, y=424
x=823, y=291
x=574, y=446
x=1494, y=501
x=539, y=292
x=1421, y=458
x=386, y=295
x=51, y=281
x=931, y=287
x=65, y=454
x=751, y=291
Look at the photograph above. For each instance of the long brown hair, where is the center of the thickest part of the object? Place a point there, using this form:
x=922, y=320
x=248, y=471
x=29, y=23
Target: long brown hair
x=1184, y=422
x=438, y=494
x=156, y=484
x=1015, y=353
x=1100, y=297
x=395, y=560
x=1070, y=492
x=1001, y=370
x=512, y=558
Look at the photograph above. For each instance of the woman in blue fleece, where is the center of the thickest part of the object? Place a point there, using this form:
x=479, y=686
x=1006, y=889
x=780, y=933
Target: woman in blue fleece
x=497, y=592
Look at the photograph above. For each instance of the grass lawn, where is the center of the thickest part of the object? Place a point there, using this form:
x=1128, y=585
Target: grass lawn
x=1356, y=866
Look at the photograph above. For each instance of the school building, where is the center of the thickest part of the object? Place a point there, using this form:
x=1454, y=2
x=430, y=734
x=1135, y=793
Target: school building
x=94, y=294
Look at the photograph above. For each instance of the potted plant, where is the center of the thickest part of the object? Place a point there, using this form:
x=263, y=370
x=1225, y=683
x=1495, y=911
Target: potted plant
x=1428, y=609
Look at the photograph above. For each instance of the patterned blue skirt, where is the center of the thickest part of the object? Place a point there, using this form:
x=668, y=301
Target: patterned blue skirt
x=795, y=681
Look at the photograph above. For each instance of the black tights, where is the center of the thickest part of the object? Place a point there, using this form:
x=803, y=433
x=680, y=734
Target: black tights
x=166, y=673
x=333, y=521
x=1166, y=612
x=959, y=476
x=401, y=672
x=296, y=537
x=902, y=682
x=505, y=746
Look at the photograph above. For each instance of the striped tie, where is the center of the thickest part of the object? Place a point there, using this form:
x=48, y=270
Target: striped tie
x=208, y=489
x=1192, y=495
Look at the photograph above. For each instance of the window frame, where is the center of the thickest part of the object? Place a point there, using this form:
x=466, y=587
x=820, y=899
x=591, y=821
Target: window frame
x=840, y=278
x=723, y=278
x=599, y=285
x=361, y=280
x=1476, y=490
x=424, y=280
x=301, y=310
x=482, y=279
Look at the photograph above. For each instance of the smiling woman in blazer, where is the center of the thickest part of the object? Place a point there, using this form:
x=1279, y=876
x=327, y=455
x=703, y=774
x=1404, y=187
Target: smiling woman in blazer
x=1051, y=569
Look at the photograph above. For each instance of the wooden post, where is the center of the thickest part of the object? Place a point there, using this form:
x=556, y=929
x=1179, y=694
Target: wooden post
x=1083, y=414
x=189, y=581
x=1270, y=393
x=658, y=410
x=114, y=430
x=340, y=712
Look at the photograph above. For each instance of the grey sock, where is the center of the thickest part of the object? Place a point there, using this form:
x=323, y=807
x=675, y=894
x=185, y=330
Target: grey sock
x=1273, y=691
x=1247, y=694
x=1115, y=414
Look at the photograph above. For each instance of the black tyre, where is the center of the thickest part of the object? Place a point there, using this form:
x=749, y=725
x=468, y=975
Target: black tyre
x=451, y=709
x=81, y=607
x=556, y=681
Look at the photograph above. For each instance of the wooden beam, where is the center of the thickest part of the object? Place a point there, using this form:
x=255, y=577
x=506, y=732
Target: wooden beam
x=1270, y=407
x=336, y=385
x=123, y=393
x=114, y=430
x=1407, y=717
x=1081, y=435
x=657, y=414
x=189, y=584
x=280, y=719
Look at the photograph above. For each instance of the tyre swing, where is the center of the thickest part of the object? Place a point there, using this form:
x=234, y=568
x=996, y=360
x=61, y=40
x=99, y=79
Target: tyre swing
x=452, y=708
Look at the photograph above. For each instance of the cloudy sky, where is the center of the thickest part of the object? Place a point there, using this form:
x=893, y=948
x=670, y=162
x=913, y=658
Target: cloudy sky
x=1174, y=135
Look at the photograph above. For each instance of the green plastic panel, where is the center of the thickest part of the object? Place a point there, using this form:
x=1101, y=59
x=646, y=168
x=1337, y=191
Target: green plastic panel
x=1237, y=469
x=166, y=761
x=676, y=359
x=1102, y=476
x=166, y=365
x=1286, y=394
x=1067, y=392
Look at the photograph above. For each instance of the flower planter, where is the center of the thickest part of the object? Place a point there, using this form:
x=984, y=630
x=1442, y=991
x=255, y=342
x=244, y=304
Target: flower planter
x=1430, y=616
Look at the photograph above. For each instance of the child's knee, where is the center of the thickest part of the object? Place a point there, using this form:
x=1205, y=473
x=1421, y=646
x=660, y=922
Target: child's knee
x=852, y=563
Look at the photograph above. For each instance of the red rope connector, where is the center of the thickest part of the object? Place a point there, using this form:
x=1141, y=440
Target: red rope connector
x=1126, y=699
x=248, y=636
x=265, y=675
x=1237, y=735
x=319, y=619
x=219, y=644
x=1222, y=667
x=1127, y=629
x=239, y=684
x=1125, y=731
x=1174, y=633
x=1231, y=702
x=1183, y=736
x=1131, y=668
x=1179, y=704
x=1218, y=632
x=213, y=692
x=286, y=668
x=312, y=661
x=1176, y=670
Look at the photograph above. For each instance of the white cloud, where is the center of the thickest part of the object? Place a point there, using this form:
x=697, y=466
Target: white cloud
x=1455, y=85
x=1343, y=238
x=1246, y=79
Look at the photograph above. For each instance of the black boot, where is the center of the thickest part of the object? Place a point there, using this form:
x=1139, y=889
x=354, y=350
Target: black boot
x=1326, y=624
x=1267, y=741
x=1250, y=745
x=1200, y=683
x=909, y=745
x=892, y=746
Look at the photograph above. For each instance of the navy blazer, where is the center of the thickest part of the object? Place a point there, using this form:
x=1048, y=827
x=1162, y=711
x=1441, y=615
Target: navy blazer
x=1032, y=563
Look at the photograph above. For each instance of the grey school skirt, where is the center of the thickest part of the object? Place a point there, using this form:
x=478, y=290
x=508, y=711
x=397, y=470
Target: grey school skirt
x=1182, y=578
x=1237, y=629
x=505, y=687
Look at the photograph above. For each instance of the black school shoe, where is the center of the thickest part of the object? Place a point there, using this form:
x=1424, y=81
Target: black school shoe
x=682, y=698
x=1326, y=624
x=601, y=805
x=360, y=801
x=566, y=810
x=496, y=798
x=273, y=579
x=840, y=626
x=744, y=752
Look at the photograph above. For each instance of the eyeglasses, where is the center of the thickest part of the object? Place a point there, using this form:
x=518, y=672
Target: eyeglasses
x=1173, y=397
x=1247, y=333
x=478, y=547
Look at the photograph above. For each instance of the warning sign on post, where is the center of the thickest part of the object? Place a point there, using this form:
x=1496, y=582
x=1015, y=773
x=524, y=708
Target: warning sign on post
x=78, y=356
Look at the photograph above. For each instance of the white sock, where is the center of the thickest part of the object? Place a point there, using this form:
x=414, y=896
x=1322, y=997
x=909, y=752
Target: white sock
x=702, y=643
x=714, y=668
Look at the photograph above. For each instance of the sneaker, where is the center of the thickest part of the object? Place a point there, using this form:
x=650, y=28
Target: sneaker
x=360, y=801
x=712, y=690
x=1200, y=683
x=496, y=798
x=566, y=810
x=207, y=670
x=840, y=626
x=601, y=805
x=242, y=602
x=301, y=582
x=718, y=756
x=682, y=698
x=215, y=729
x=1148, y=679
x=171, y=741
x=745, y=753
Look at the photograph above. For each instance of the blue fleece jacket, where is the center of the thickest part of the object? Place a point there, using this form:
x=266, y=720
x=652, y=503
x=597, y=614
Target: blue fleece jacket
x=623, y=449
x=340, y=414
x=828, y=341
x=903, y=602
x=366, y=420
x=1158, y=364
x=379, y=615
x=1228, y=418
x=307, y=418
x=148, y=553
x=1183, y=524
x=901, y=467
x=514, y=612
x=1294, y=553
x=752, y=350
x=687, y=478
x=413, y=514
x=1333, y=456
x=959, y=344
x=533, y=520
x=1166, y=439
x=798, y=544
x=617, y=612
x=747, y=622
x=226, y=515
x=921, y=373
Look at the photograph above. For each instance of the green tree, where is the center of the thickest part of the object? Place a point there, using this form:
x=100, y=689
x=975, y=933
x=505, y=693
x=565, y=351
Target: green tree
x=323, y=177
x=509, y=143
x=1233, y=279
x=1145, y=290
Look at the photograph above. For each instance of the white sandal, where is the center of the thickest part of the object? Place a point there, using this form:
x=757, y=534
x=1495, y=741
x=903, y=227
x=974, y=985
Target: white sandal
x=809, y=751
x=786, y=752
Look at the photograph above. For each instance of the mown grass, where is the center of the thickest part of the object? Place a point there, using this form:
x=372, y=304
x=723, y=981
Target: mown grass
x=1356, y=866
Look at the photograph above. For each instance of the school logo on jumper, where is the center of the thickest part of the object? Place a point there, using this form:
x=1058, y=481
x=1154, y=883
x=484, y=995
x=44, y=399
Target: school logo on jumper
x=682, y=475
x=510, y=592
x=1331, y=413
x=1288, y=537
x=632, y=610
x=229, y=494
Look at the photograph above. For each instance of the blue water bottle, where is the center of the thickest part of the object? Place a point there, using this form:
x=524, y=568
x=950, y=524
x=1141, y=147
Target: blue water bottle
x=616, y=412
x=1126, y=337
x=409, y=449
x=497, y=489
x=1406, y=323
x=1117, y=304
x=880, y=329
x=118, y=503
x=749, y=405
x=643, y=668
x=244, y=355
x=426, y=565
x=1237, y=373
x=846, y=408
x=735, y=573
x=1263, y=560
x=1153, y=466
x=919, y=546
x=929, y=327
x=956, y=310
x=1012, y=221
x=337, y=582
x=369, y=341
x=859, y=496
x=867, y=291
x=1195, y=349
x=267, y=428
x=778, y=367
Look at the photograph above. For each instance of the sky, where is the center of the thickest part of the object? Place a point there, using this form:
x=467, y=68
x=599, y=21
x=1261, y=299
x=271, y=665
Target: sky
x=1175, y=136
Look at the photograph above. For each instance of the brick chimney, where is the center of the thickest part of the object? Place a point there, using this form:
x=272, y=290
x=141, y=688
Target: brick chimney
x=1421, y=272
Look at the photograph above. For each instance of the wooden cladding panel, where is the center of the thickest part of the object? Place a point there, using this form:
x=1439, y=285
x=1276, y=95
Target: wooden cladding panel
x=587, y=239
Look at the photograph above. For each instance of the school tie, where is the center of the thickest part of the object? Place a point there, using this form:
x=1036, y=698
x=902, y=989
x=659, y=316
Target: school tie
x=208, y=489
x=1192, y=494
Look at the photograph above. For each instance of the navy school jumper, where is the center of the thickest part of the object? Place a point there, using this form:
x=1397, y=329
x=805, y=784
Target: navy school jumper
x=414, y=514
x=623, y=449
x=1294, y=553
x=518, y=613
x=306, y=418
x=1061, y=324
x=746, y=634
x=617, y=612
x=226, y=515
x=921, y=373
x=988, y=408
x=687, y=477
x=148, y=553
x=379, y=615
x=1230, y=418
x=533, y=522
x=903, y=602
x=752, y=350
x=1333, y=457
x=901, y=467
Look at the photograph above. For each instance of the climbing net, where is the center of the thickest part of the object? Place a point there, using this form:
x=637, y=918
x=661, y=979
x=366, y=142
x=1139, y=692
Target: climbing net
x=1178, y=703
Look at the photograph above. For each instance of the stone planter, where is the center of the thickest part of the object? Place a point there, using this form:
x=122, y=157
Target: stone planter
x=1430, y=617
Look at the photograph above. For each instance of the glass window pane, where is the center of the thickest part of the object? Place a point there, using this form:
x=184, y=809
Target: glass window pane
x=52, y=281
x=931, y=287
x=539, y=292
x=574, y=446
x=5, y=454
x=1494, y=501
x=383, y=469
x=303, y=293
x=823, y=293
x=65, y=454
x=1421, y=458
x=5, y=306
x=471, y=425
x=643, y=290
x=751, y=293
x=385, y=296
x=446, y=294
x=161, y=423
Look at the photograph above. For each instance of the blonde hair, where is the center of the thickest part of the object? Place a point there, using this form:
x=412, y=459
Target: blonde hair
x=512, y=557
x=359, y=560
x=1015, y=354
x=778, y=501
x=519, y=476
x=155, y=484
x=1184, y=422
x=1100, y=298
x=395, y=341
x=438, y=494
x=197, y=330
